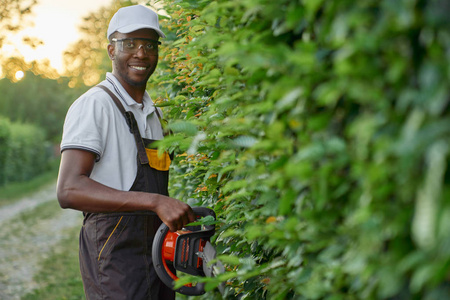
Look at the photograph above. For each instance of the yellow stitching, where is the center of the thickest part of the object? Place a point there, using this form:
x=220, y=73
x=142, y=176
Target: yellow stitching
x=109, y=238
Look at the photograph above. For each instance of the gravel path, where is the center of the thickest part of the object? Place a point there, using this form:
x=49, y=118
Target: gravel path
x=24, y=245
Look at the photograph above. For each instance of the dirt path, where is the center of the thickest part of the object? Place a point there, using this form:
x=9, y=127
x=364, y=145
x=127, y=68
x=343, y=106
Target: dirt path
x=26, y=238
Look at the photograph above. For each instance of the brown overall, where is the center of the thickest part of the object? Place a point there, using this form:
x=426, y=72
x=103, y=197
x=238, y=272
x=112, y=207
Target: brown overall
x=115, y=248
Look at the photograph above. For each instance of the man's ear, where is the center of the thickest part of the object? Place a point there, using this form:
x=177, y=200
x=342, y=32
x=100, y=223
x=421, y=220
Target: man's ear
x=111, y=50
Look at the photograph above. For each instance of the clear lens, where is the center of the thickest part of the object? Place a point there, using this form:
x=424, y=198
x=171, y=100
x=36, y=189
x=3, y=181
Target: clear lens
x=132, y=46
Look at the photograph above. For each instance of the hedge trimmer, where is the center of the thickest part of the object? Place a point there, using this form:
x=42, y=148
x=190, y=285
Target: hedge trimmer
x=188, y=251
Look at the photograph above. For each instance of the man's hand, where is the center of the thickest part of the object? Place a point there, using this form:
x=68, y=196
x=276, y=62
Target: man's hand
x=174, y=213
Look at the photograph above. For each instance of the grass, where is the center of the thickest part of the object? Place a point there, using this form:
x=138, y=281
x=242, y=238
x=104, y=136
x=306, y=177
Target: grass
x=16, y=190
x=25, y=223
x=59, y=277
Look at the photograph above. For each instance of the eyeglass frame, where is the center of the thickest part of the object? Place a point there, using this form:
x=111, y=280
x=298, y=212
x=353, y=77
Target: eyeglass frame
x=114, y=40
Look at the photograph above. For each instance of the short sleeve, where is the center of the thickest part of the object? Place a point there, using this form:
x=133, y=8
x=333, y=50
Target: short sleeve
x=86, y=124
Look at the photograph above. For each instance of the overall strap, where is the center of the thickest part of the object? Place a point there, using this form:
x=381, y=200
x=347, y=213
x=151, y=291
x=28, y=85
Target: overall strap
x=131, y=121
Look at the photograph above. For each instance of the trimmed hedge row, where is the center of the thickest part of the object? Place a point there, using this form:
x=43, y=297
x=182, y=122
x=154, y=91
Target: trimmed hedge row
x=24, y=151
x=319, y=133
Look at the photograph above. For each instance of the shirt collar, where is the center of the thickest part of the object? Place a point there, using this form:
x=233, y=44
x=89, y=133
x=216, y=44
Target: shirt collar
x=149, y=106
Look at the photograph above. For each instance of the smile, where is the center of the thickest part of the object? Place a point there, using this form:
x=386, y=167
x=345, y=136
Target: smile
x=138, y=68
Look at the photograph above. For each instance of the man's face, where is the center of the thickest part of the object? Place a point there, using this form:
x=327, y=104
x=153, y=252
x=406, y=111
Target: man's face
x=133, y=69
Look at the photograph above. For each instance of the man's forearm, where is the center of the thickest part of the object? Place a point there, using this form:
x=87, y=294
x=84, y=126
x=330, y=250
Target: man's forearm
x=77, y=191
x=88, y=195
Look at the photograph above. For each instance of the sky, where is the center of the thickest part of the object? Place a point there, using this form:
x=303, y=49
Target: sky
x=56, y=23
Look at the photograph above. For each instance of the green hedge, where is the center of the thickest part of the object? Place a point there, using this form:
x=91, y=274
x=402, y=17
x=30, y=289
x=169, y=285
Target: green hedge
x=24, y=152
x=5, y=132
x=319, y=133
x=38, y=100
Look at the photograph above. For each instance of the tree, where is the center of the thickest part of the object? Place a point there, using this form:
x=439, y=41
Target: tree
x=12, y=16
x=11, y=65
x=86, y=61
x=37, y=100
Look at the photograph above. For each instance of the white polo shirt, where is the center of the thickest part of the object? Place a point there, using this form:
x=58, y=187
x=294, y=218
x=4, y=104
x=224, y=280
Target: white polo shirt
x=94, y=123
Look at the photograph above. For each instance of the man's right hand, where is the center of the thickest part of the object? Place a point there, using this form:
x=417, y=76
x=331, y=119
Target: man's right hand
x=174, y=213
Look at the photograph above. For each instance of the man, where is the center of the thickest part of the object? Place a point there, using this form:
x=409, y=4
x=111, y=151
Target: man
x=106, y=174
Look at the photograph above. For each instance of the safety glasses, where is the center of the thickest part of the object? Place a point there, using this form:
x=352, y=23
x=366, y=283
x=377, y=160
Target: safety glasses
x=132, y=45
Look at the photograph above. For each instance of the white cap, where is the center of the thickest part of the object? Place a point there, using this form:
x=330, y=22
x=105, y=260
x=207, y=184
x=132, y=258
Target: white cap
x=132, y=18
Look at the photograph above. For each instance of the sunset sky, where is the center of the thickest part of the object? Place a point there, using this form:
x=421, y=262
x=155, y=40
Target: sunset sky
x=56, y=23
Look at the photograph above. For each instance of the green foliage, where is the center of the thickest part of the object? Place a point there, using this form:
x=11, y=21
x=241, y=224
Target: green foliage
x=86, y=61
x=32, y=113
x=25, y=153
x=5, y=133
x=38, y=100
x=13, y=191
x=13, y=13
x=319, y=133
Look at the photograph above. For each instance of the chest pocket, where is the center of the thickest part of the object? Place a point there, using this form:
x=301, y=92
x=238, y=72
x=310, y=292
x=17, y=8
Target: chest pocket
x=158, y=162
